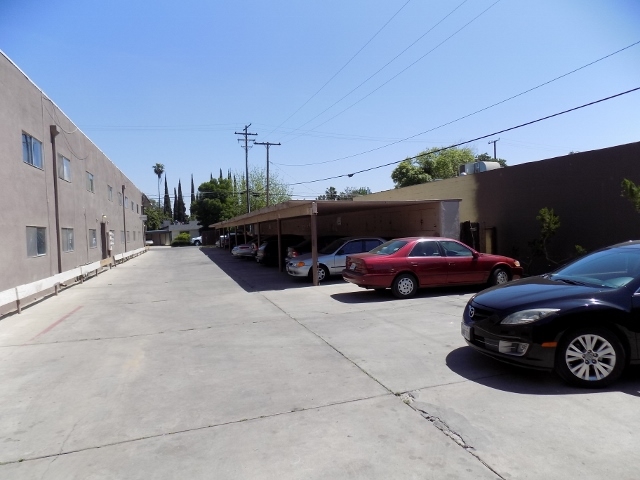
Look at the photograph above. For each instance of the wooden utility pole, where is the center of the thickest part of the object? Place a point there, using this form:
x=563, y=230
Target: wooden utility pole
x=494, y=147
x=268, y=144
x=246, y=160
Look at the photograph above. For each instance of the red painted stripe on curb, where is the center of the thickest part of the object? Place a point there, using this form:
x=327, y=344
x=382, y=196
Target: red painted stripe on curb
x=54, y=324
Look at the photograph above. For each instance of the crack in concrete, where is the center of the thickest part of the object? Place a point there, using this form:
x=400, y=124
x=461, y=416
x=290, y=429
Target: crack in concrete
x=188, y=430
x=441, y=425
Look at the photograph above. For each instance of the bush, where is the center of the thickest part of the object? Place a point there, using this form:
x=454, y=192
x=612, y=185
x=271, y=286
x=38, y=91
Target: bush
x=182, y=240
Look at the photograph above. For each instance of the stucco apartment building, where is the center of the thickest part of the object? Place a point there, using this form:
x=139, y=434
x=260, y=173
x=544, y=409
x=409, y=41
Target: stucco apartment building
x=64, y=203
x=583, y=189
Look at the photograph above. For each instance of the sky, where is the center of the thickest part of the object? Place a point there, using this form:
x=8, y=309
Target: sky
x=343, y=86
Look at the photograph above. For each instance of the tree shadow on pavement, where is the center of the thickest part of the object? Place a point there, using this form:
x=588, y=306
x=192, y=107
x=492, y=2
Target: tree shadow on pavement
x=491, y=373
x=254, y=277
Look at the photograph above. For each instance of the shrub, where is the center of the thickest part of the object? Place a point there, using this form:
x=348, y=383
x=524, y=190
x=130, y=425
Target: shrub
x=181, y=240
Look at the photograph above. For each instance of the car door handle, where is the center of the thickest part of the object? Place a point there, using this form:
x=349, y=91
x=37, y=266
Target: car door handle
x=414, y=264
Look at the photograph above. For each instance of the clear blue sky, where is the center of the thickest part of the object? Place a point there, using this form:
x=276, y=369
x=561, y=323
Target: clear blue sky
x=170, y=82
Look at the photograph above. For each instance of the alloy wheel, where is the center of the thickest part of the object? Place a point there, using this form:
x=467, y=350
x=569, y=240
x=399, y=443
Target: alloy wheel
x=590, y=357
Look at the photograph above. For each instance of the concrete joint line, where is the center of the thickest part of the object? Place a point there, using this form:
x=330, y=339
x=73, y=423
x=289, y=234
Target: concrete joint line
x=188, y=430
x=441, y=425
x=333, y=348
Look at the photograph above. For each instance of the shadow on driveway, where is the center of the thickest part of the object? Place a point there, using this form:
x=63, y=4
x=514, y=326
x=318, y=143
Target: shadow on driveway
x=491, y=373
x=372, y=296
x=254, y=277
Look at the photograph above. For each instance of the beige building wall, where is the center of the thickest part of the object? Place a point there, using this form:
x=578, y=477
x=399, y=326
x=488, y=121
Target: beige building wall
x=582, y=188
x=27, y=192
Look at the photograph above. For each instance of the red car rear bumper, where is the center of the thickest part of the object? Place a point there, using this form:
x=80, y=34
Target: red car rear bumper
x=367, y=280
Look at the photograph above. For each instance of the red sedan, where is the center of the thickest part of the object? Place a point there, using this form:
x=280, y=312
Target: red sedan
x=406, y=264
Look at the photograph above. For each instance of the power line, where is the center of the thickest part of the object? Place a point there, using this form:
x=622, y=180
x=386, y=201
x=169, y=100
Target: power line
x=342, y=68
x=389, y=63
x=468, y=115
x=474, y=139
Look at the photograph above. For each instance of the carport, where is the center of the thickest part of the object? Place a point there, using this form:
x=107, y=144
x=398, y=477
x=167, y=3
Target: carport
x=387, y=219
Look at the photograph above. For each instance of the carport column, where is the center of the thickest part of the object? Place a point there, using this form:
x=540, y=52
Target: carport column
x=314, y=242
x=279, y=229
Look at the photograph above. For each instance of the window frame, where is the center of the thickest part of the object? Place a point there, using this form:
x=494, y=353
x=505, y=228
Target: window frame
x=28, y=155
x=90, y=183
x=62, y=171
x=68, y=243
x=40, y=234
x=93, y=238
x=110, y=193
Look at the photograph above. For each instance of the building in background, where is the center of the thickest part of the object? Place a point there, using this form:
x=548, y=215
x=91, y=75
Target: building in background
x=64, y=203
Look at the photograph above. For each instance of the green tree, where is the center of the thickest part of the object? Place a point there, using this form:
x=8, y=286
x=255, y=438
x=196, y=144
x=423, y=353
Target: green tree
x=349, y=192
x=155, y=216
x=215, y=201
x=432, y=164
x=158, y=169
x=180, y=212
x=278, y=190
x=329, y=194
x=631, y=192
x=167, y=201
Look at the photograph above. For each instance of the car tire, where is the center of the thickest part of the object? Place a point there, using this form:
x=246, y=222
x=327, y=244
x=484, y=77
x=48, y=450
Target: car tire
x=499, y=277
x=590, y=357
x=196, y=243
x=404, y=285
x=323, y=273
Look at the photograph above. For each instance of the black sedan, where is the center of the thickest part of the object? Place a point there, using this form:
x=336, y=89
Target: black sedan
x=583, y=320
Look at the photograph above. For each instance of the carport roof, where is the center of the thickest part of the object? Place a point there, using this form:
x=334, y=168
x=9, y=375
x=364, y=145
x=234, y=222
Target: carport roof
x=299, y=208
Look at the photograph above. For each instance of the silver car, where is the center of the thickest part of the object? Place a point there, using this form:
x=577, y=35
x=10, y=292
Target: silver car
x=332, y=259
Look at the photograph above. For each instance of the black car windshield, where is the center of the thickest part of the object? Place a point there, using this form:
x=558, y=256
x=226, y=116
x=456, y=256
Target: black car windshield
x=611, y=268
x=387, y=248
x=333, y=246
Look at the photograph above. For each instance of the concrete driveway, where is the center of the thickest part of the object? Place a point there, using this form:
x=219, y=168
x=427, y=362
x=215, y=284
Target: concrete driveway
x=189, y=363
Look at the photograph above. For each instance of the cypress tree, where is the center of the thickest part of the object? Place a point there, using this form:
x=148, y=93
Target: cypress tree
x=220, y=174
x=193, y=190
x=175, y=204
x=181, y=213
x=167, y=200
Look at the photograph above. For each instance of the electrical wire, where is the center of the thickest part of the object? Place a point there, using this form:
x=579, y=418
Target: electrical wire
x=386, y=65
x=468, y=115
x=474, y=139
x=342, y=68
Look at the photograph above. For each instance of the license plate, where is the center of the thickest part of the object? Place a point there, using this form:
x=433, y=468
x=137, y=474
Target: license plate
x=466, y=331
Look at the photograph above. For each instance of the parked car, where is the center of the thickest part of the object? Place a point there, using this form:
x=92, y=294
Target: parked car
x=244, y=251
x=582, y=320
x=267, y=253
x=305, y=246
x=332, y=258
x=406, y=264
x=230, y=239
x=197, y=241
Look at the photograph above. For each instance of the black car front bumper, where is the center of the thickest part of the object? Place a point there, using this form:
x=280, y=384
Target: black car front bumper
x=484, y=332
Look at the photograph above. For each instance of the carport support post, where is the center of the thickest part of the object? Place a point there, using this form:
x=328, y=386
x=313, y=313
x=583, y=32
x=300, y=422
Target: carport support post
x=279, y=229
x=314, y=242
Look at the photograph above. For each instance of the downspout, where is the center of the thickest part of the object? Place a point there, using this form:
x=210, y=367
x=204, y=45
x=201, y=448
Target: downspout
x=53, y=129
x=124, y=220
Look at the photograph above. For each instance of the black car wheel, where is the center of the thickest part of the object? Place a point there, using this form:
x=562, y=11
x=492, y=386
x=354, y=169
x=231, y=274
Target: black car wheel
x=405, y=285
x=323, y=273
x=590, y=357
x=499, y=276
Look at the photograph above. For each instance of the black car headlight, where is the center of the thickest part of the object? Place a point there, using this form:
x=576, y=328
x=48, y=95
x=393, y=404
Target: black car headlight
x=527, y=316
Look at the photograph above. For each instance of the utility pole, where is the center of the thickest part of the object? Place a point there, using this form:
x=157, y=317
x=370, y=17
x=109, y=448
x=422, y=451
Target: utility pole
x=494, y=147
x=268, y=144
x=246, y=159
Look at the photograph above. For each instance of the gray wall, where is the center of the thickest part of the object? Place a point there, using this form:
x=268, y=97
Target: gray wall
x=27, y=192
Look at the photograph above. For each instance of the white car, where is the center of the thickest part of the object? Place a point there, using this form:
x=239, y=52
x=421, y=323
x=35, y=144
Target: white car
x=197, y=241
x=332, y=259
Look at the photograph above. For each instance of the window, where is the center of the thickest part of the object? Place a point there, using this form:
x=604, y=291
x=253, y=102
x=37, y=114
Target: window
x=134, y=235
x=90, y=182
x=36, y=241
x=110, y=193
x=67, y=239
x=31, y=151
x=425, y=249
x=453, y=249
x=128, y=236
x=121, y=236
x=93, y=239
x=132, y=204
x=126, y=202
x=119, y=198
x=112, y=239
x=137, y=208
x=64, y=169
